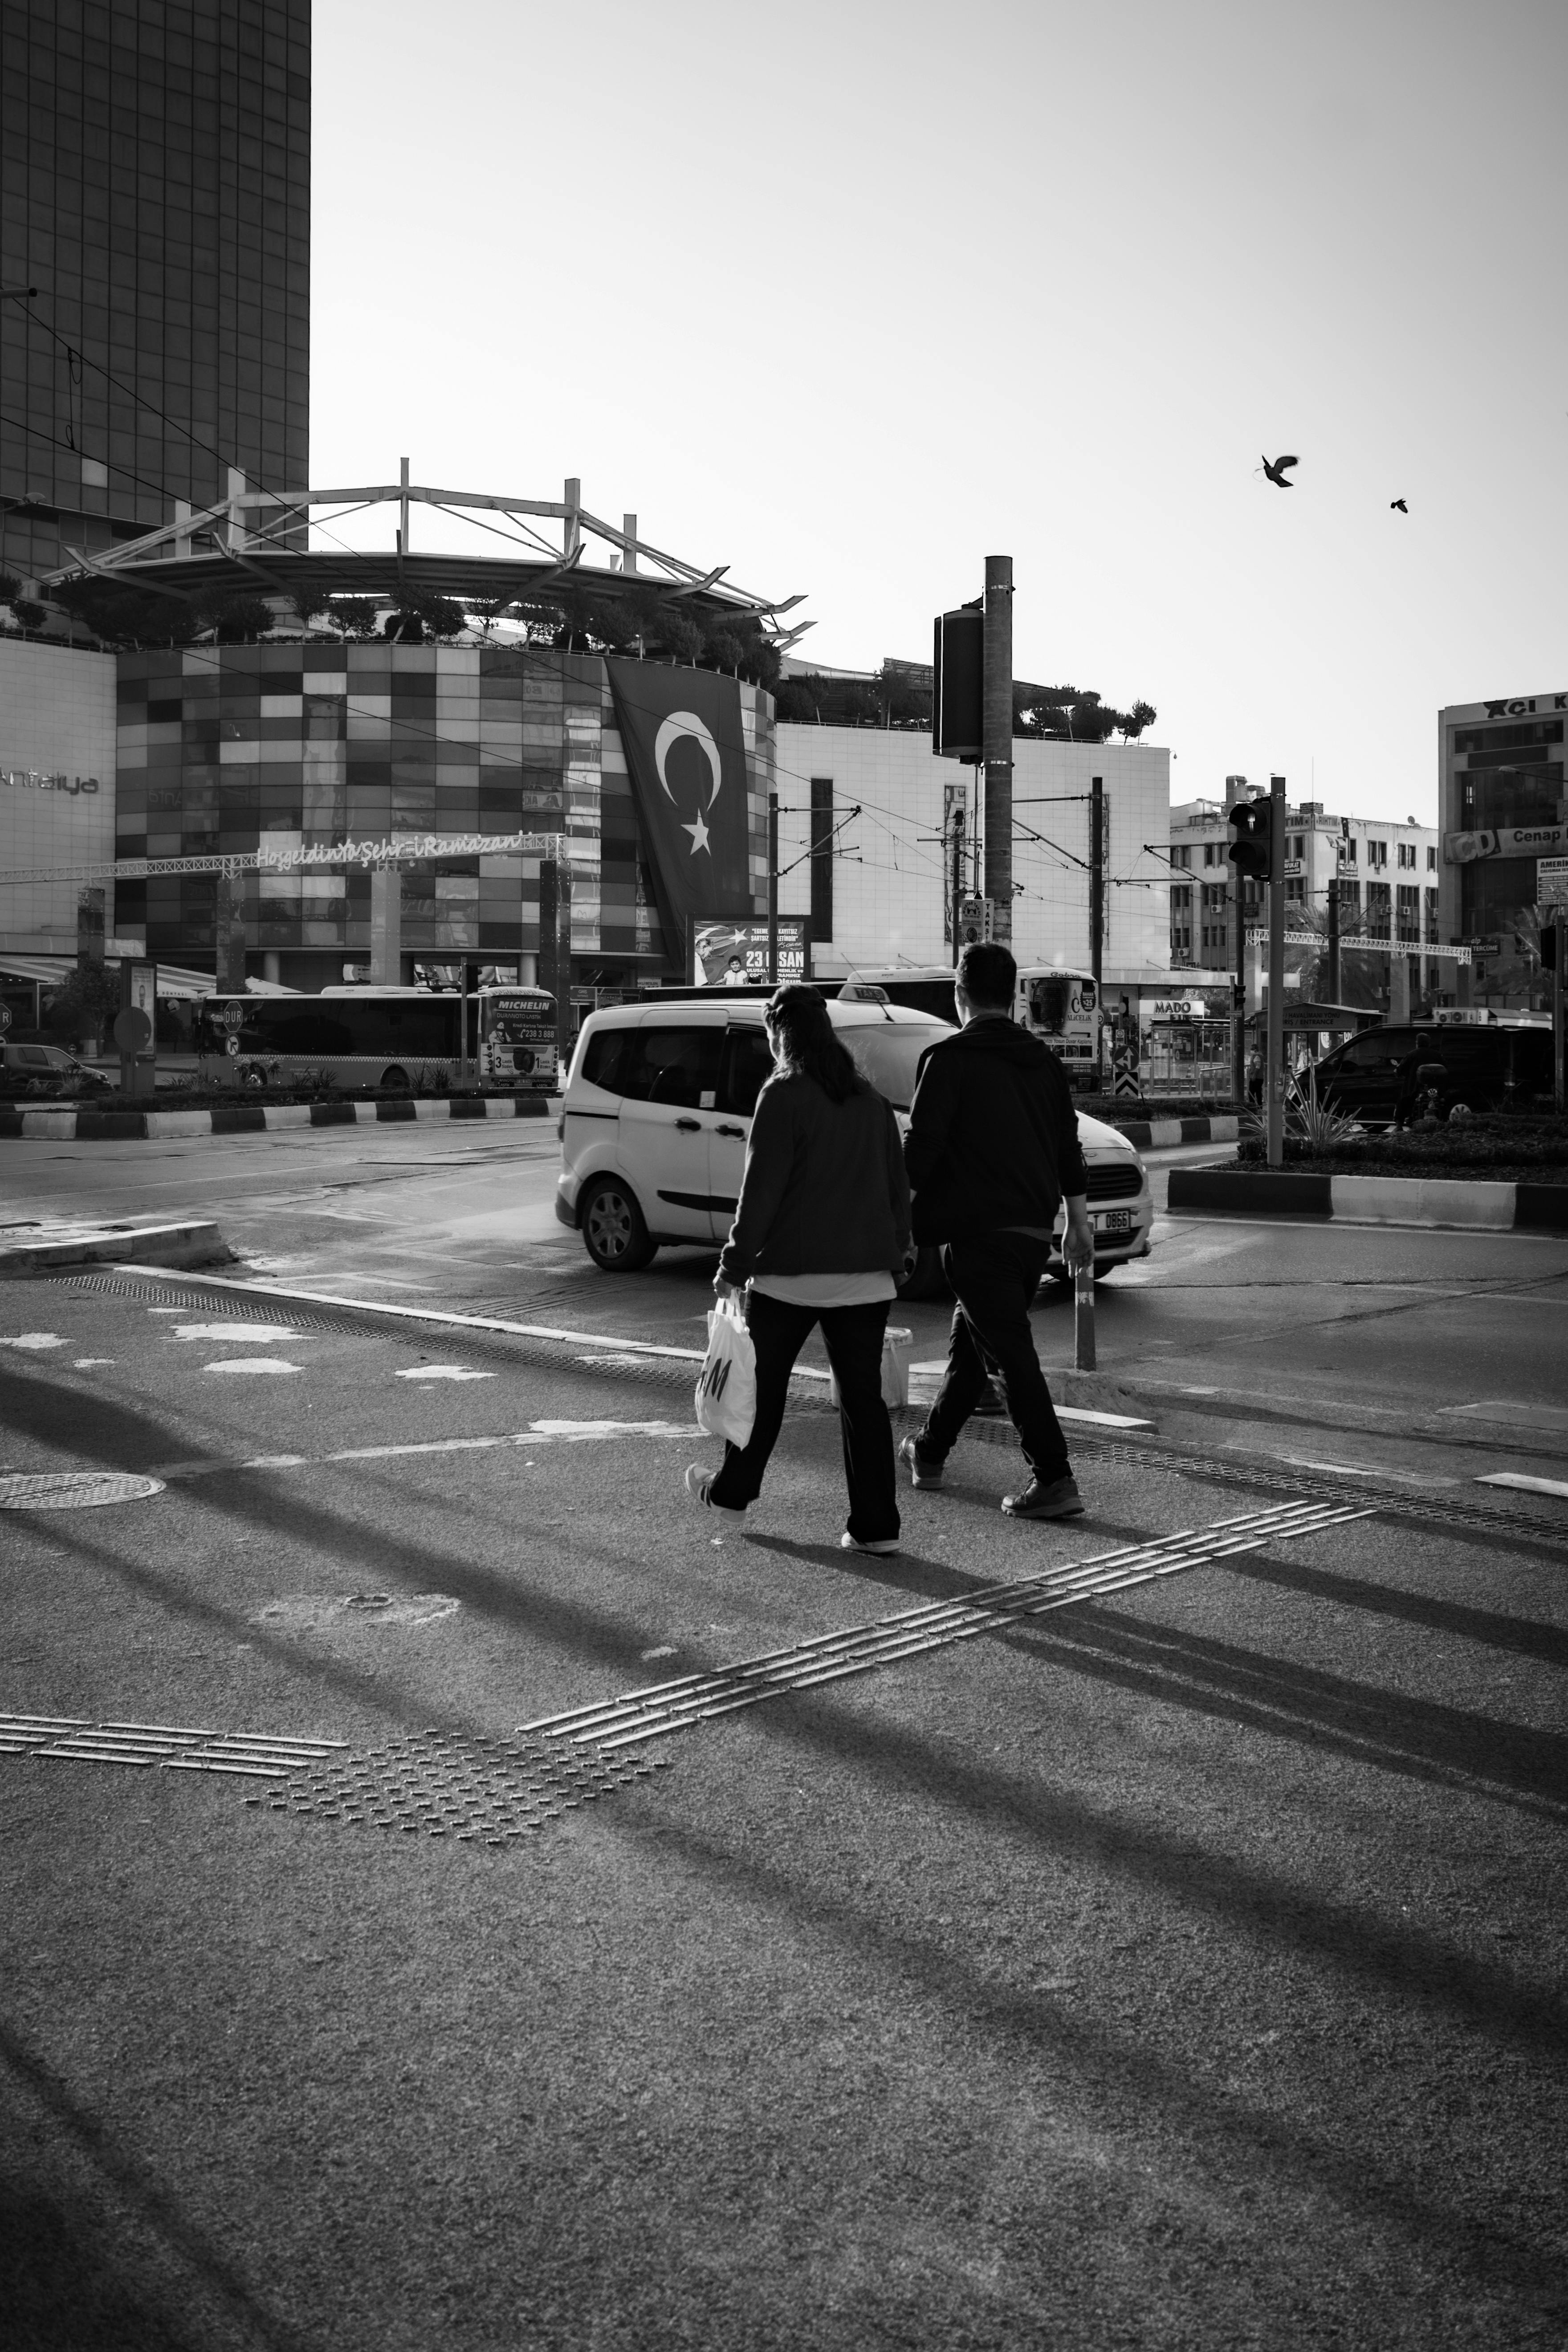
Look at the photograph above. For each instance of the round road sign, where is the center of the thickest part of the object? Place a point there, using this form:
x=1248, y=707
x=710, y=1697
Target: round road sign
x=132, y=1030
x=5, y=1018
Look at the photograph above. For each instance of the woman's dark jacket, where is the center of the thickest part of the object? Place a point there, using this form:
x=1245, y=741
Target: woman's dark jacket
x=992, y=1140
x=825, y=1190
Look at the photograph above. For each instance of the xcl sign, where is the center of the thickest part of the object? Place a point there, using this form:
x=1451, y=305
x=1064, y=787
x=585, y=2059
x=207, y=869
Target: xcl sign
x=1522, y=705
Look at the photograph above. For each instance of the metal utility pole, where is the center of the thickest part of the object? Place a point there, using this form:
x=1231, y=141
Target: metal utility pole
x=555, y=949
x=773, y=889
x=997, y=704
x=1238, y=991
x=1559, y=1040
x=1097, y=915
x=1333, y=981
x=1275, y=1076
x=955, y=876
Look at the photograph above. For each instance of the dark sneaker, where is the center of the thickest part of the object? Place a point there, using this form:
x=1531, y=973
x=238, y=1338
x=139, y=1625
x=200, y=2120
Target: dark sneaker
x=847, y=1542
x=923, y=1473
x=1058, y=1500
x=699, y=1481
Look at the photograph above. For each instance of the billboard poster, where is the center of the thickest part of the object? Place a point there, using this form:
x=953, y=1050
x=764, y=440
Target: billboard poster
x=726, y=953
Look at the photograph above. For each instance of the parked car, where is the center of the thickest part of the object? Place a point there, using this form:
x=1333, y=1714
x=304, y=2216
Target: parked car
x=1378, y=1076
x=48, y=1069
x=656, y=1109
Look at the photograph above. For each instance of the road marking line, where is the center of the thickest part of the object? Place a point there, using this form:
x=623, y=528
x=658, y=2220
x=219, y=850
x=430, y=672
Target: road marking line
x=563, y=1433
x=442, y=1373
x=1526, y=1484
x=32, y=1339
x=1367, y=1470
x=251, y=1364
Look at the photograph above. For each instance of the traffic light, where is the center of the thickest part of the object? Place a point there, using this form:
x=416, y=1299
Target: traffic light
x=958, y=718
x=1249, y=851
x=1549, y=947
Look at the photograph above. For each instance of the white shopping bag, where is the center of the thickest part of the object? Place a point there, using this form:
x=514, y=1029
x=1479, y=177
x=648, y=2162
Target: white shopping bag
x=897, y=1347
x=727, y=1390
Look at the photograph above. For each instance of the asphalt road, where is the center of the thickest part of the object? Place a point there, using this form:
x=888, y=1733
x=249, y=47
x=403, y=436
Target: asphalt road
x=1182, y=1969
x=1243, y=1333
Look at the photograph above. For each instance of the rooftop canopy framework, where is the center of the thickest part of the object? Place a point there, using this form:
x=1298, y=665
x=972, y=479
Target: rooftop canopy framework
x=255, y=540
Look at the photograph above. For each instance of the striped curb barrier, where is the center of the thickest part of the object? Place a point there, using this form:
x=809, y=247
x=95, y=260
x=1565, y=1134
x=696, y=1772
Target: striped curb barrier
x=1163, y=1134
x=193, y=1242
x=61, y=1126
x=1476, y=1207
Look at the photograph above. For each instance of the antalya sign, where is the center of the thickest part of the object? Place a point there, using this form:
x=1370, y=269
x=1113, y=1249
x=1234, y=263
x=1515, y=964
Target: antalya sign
x=1504, y=840
x=32, y=780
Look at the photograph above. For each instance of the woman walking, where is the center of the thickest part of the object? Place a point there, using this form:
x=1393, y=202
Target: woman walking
x=821, y=1232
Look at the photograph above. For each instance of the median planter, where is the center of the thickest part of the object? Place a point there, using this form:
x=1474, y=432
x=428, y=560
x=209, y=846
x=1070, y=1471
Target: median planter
x=1475, y=1205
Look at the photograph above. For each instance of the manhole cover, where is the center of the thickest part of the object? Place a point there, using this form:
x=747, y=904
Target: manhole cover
x=312, y=1612
x=75, y=1490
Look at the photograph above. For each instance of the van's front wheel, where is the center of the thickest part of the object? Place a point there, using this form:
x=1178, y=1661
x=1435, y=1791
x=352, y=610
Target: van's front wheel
x=615, y=1231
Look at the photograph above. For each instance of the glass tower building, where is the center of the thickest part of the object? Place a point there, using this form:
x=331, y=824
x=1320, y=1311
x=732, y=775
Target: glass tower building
x=156, y=158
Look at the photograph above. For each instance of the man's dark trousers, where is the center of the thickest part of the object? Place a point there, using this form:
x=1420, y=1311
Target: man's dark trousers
x=852, y=1337
x=995, y=1278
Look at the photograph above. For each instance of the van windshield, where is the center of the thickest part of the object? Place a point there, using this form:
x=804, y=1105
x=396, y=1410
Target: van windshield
x=888, y=1055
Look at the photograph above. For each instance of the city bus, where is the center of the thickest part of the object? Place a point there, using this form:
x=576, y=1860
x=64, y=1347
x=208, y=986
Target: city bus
x=1054, y=1002
x=401, y=1038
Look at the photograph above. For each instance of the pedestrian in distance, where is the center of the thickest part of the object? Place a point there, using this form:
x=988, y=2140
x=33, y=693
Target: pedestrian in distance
x=821, y=1234
x=992, y=1152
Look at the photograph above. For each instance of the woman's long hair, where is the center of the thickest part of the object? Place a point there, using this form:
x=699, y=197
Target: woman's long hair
x=805, y=1043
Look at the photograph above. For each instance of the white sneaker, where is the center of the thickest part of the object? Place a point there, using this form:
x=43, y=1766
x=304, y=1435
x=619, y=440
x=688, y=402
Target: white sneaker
x=847, y=1542
x=698, y=1482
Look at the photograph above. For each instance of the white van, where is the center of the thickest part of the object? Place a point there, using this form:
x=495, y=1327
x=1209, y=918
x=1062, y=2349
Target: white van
x=658, y=1107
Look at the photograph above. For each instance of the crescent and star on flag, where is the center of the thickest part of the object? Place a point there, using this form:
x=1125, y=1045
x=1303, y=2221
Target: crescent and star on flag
x=671, y=730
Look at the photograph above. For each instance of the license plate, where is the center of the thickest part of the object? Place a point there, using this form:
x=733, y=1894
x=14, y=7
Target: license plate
x=1114, y=1221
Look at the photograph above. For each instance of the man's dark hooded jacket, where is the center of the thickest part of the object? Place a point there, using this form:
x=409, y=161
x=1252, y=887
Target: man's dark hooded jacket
x=993, y=1139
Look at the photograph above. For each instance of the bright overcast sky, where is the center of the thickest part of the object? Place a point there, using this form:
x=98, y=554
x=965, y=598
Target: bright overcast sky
x=849, y=296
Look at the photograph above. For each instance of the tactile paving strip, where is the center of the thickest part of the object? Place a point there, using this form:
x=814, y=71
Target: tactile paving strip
x=443, y=1784
x=180, y=1747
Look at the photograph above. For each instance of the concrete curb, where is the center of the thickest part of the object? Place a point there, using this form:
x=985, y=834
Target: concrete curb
x=1162, y=1134
x=1476, y=1207
x=191, y=1243
x=60, y=1125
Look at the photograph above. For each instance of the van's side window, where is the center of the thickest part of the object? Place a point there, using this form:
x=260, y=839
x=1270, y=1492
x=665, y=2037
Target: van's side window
x=660, y=1066
x=748, y=1064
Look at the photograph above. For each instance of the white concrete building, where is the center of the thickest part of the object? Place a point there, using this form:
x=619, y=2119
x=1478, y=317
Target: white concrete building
x=887, y=897
x=1387, y=875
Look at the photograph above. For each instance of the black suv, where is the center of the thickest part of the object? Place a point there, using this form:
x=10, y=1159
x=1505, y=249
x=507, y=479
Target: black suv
x=1376, y=1077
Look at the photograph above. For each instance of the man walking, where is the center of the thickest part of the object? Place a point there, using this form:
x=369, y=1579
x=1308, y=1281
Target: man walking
x=992, y=1151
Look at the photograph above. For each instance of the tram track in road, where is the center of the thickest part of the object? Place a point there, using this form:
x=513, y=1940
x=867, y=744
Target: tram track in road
x=509, y=1339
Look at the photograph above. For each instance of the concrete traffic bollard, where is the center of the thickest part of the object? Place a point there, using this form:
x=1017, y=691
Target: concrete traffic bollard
x=1083, y=1319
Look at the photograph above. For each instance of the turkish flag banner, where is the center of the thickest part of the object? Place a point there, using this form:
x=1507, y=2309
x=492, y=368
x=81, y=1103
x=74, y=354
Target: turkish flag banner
x=687, y=756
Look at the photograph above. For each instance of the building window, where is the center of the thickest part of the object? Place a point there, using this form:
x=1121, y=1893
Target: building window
x=1377, y=853
x=1350, y=848
x=1211, y=850
x=821, y=858
x=1409, y=898
x=1378, y=910
x=1350, y=893
x=1408, y=855
x=1295, y=886
x=1431, y=898
x=1431, y=857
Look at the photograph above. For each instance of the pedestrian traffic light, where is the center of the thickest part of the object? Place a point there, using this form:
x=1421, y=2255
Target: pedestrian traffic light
x=1249, y=851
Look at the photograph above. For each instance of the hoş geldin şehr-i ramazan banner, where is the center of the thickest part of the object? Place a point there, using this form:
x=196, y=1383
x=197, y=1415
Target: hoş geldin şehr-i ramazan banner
x=686, y=757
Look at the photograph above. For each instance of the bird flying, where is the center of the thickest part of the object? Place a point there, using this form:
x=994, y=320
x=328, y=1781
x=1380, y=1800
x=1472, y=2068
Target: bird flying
x=1276, y=472
x=1393, y=503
